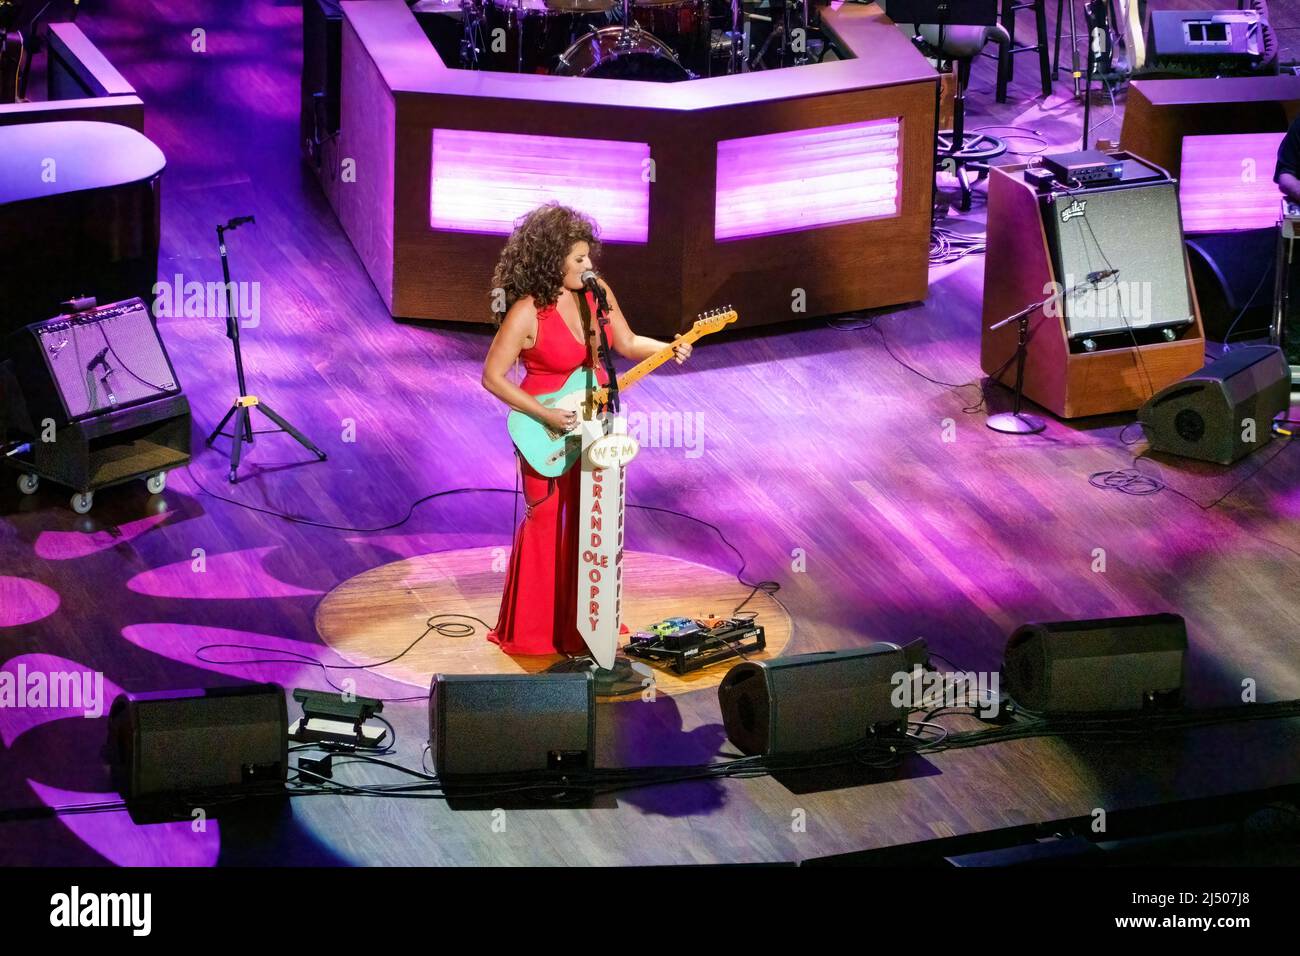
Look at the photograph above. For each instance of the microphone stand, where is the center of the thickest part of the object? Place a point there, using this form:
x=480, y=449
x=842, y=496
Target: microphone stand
x=1015, y=422
x=624, y=677
x=606, y=359
x=242, y=409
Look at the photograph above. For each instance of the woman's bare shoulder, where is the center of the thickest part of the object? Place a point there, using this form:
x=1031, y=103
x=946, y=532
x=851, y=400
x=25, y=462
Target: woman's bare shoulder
x=522, y=311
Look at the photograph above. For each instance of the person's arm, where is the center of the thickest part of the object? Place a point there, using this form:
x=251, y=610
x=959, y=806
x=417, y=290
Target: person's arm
x=632, y=346
x=519, y=325
x=1287, y=172
x=1290, y=186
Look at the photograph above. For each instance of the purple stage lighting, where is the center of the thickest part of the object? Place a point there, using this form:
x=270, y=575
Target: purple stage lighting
x=483, y=181
x=783, y=182
x=1226, y=182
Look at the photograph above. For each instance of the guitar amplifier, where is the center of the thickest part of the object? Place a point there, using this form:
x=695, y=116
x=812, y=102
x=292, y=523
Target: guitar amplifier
x=79, y=366
x=1136, y=229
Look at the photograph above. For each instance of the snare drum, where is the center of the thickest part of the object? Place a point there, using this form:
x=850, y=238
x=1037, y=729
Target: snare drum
x=613, y=53
x=528, y=36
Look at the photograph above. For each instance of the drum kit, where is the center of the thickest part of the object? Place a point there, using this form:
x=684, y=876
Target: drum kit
x=656, y=40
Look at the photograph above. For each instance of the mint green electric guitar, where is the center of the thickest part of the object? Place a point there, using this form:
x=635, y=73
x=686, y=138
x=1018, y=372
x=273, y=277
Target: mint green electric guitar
x=552, y=453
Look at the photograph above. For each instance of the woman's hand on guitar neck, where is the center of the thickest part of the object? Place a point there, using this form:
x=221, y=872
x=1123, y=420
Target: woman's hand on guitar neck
x=681, y=349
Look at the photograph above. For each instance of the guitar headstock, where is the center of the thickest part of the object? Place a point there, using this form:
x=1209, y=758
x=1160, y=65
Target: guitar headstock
x=714, y=320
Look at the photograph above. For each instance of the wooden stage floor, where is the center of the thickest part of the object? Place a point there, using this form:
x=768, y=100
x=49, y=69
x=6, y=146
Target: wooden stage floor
x=820, y=457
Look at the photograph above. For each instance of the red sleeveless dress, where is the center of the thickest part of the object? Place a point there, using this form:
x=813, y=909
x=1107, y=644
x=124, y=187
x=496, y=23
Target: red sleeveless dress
x=540, y=605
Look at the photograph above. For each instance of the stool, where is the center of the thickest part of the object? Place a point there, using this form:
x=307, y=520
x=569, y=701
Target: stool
x=1006, y=54
x=956, y=150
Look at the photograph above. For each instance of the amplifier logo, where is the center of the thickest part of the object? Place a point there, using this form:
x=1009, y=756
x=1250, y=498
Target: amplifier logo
x=1074, y=210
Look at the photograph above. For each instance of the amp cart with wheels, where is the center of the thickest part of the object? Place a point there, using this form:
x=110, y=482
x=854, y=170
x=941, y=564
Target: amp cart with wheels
x=96, y=403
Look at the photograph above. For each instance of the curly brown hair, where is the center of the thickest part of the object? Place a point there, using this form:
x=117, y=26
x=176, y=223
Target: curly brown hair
x=532, y=262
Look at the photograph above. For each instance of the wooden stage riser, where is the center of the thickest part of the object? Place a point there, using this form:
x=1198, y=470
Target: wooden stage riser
x=682, y=271
x=426, y=273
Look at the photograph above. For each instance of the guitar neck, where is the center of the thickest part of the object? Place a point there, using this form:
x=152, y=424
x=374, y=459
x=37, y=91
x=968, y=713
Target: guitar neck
x=646, y=366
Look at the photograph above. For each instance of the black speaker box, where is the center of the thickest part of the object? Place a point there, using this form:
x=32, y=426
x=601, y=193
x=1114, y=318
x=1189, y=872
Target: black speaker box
x=810, y=701
x=1210, y=413
x=1110, y=664
x=198, y=742
x=511, y=723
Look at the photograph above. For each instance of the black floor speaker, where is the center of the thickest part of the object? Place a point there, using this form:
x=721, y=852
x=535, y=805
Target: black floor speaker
x=1224, y=411
x=810, y=701
x=1112, y=664
x=511, y=723
x=198, y=743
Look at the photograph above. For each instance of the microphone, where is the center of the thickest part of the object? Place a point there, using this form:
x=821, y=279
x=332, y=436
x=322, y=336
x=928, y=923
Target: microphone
x=237, y=222
x=1095, y=277
x=594, y=287
x=100, y=359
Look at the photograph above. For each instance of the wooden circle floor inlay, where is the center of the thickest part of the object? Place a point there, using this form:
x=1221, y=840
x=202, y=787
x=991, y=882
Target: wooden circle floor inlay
x=372, y=616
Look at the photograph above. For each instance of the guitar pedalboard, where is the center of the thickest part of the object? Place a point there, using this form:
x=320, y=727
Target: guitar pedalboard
x=689, y=644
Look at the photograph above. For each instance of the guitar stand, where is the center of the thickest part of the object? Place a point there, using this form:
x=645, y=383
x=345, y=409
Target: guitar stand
x=242, y=409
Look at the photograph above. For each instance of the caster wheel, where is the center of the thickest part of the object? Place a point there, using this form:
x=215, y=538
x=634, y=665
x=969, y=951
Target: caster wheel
x=81, y=503
x=156, y=483
x=28, y=484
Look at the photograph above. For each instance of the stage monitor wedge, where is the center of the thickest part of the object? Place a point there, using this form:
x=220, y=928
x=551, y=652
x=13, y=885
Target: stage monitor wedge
x=1119, y=664
x=199, y=743
x=810, y=702
x=484, y=725
x=1223, y=412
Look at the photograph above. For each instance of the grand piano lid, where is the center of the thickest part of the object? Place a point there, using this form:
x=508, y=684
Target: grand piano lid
x=85, y=156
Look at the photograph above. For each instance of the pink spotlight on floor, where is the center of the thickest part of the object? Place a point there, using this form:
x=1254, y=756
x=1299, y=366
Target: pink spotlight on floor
x=783, y=182
x=483, y=181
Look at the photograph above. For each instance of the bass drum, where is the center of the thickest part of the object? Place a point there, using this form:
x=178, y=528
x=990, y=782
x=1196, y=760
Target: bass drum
x=682, y=24
x=613, y=53
x=526, y=36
